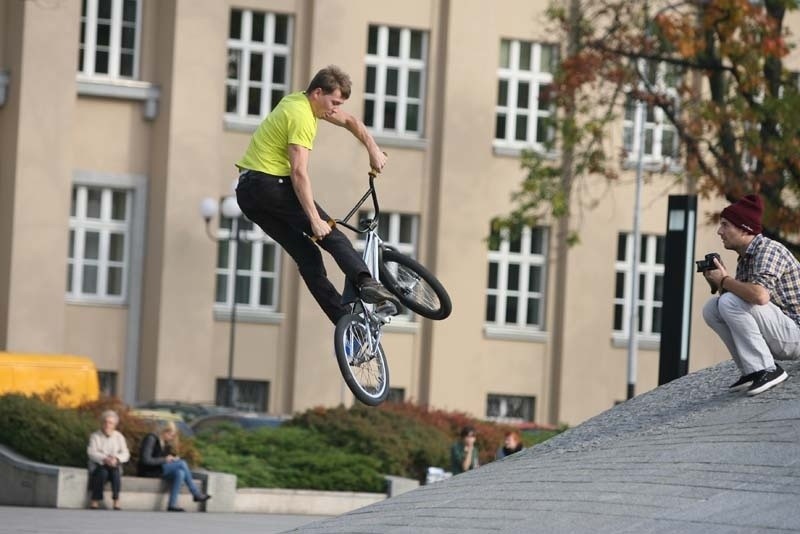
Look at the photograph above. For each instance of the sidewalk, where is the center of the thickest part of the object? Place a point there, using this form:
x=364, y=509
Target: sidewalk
x=687, y=457
x=17, y=520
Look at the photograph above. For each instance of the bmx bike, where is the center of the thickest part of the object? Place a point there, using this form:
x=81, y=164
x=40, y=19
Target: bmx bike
x=357, y=339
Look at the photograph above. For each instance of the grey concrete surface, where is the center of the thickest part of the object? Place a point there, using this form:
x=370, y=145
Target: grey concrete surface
x=20, y=520
x=687, y=457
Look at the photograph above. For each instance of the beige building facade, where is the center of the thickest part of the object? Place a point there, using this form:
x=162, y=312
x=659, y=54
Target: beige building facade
x=118, y=117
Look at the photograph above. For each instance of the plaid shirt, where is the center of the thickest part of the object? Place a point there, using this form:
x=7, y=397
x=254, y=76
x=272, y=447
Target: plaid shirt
x=769, y=264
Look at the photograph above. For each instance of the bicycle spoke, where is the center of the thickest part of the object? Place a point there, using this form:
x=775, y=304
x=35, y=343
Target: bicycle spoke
x=365, y=370
x=415, y=287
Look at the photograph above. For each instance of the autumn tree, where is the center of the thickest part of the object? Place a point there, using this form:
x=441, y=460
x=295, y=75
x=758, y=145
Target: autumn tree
x=732, y=105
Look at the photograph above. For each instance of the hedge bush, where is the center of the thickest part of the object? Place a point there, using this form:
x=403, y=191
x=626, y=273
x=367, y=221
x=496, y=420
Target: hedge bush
x=402, y=446
x=35, y=427
x=407, y=438
x=345, y=449
x=294, y=458
x=43, y=432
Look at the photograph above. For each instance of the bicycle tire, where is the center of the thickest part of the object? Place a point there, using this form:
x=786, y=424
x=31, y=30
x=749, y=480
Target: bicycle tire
x=367, y=375
x=416, y=287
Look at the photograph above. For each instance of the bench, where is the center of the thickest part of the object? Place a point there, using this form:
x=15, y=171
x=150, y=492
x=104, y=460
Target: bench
x=29, y=483
x=140, y=493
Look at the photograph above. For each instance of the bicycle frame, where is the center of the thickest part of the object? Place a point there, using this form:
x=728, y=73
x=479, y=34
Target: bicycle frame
x=372, y=254
x=373, y=244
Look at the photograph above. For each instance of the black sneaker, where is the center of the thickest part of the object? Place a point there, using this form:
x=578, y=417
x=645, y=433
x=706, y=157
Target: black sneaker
x=373, y=292
x=767, y=380
x=744, y=382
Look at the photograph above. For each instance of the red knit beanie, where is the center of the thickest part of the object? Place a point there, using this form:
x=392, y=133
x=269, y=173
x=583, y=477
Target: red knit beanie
x=746, y=214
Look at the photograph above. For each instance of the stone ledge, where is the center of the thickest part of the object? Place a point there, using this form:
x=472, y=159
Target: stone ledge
x=302, y=502
x=27, y=483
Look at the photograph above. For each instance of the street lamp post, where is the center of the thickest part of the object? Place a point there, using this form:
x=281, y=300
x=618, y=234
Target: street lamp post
x=639, y=135
x=230, y=209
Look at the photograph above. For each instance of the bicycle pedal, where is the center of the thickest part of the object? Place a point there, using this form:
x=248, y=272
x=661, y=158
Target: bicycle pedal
x=385, y=311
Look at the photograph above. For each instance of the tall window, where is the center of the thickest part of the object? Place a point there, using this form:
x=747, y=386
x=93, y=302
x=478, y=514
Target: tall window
x=651, y=284
x=660, y=136
x=99, y=236
x=108, y=383
x=109, y=45
x=524, y=94
x=395, y=81
x=248, y=395
x=516, y=285
x=399, y=230
x=510, y=407
x=396, y=229
x=258, y=267
x=259, y=59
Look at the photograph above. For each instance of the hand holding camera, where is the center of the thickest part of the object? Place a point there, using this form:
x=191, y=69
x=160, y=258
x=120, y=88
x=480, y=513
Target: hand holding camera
x=713, y=270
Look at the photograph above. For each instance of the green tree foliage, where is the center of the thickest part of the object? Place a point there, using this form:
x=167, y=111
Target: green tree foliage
x=736, y=115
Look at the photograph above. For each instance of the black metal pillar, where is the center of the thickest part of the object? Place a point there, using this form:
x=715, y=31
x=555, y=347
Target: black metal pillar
x=677, y=291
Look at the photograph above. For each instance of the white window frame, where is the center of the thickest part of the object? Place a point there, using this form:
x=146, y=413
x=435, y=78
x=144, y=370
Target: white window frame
x=391, y=232
x=79, y=225
x=241, y=119
x=503, y=400
x=525, y=259
x=649, y=269
x=251, y=310
x=536, y=78
x=258, y=388
x=90, y=42
x=381, y=61
x=656, y=127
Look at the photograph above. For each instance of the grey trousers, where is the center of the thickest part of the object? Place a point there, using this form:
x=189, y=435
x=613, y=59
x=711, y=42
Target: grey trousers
x=756, y=335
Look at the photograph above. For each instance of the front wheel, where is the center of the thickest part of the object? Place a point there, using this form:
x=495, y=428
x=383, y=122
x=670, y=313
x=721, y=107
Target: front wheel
x=361, y=359
x=414, y=285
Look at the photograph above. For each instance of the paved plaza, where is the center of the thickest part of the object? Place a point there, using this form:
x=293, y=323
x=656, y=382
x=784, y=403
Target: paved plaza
x=687, y=457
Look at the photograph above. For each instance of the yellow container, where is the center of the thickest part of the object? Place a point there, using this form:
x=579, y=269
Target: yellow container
x=73, y=379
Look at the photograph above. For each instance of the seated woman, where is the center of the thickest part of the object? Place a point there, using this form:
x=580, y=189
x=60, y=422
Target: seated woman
x=158, y=458
x=512, y=443
x=107, y=451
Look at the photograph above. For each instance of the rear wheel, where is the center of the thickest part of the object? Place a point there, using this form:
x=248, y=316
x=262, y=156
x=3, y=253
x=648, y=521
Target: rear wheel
x=414, y=285
x=362, y=361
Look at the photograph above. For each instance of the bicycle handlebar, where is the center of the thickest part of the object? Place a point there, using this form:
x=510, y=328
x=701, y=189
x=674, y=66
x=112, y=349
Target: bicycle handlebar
x=373, y=173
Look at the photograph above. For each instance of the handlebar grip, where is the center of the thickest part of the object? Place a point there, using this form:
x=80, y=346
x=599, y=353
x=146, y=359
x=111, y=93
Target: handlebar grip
x=331, y=223
x=373, y=172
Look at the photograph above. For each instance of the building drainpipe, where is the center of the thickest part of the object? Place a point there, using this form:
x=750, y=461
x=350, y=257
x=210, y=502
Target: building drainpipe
x=3, y=87
x=434, y=191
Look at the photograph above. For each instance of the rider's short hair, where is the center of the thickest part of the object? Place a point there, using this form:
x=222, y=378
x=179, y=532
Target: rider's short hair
x=330, y=79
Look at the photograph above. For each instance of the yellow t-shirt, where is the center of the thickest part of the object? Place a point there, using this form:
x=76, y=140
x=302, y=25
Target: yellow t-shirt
x=292, y=122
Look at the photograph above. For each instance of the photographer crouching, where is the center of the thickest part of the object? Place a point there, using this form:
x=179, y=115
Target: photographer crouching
x=756, y=313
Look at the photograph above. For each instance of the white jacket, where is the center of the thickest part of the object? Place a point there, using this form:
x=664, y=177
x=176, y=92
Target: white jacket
x=101, y=446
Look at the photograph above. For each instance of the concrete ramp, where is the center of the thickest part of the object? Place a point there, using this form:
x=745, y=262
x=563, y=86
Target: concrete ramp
x=687, y=457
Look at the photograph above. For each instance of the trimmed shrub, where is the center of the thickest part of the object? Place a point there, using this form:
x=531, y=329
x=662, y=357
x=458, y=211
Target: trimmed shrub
x=287, y=457
x=35, y=427
x=44, y=432
x=404, y=446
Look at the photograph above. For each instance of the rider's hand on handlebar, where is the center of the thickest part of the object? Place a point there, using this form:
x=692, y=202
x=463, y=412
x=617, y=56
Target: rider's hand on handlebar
x=320, y=228
x=377, y=160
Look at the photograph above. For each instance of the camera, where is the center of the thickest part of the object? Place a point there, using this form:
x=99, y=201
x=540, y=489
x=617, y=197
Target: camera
x=707, y=263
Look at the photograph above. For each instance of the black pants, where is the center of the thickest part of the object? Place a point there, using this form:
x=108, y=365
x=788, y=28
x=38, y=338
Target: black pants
x=271, y=203
x=98, y=479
